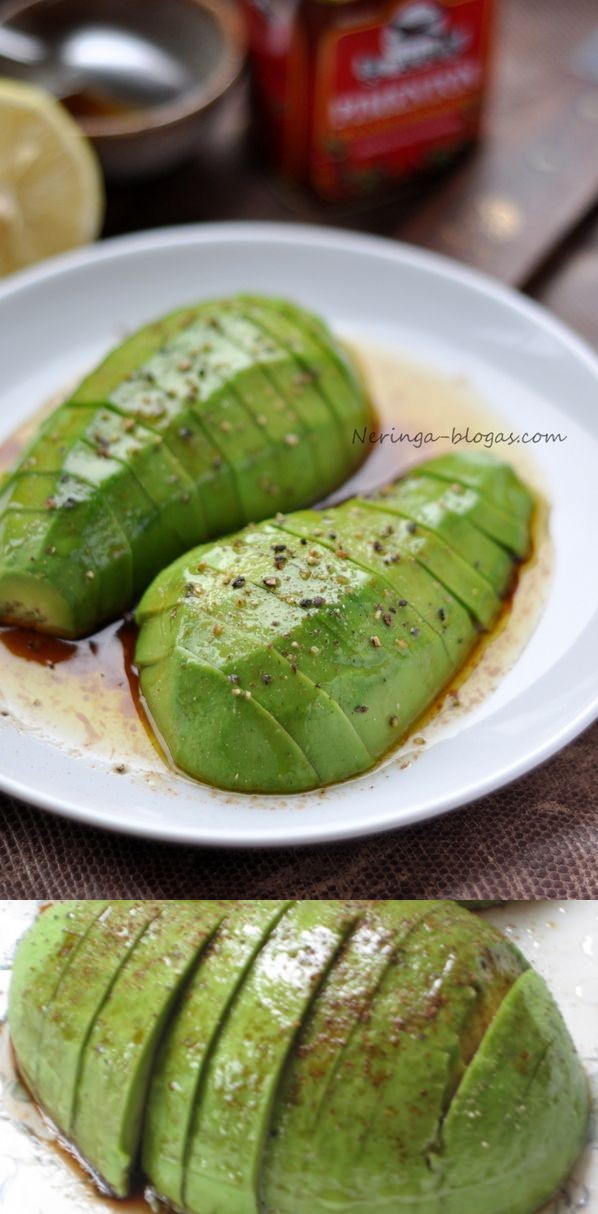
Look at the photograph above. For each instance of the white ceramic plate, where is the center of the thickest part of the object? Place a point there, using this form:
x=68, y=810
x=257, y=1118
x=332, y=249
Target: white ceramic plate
x=560, y=939
x=55, y=321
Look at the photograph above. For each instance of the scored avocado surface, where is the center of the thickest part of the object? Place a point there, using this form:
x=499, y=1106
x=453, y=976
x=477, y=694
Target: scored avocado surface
x=413, y=1065
x=38, y=972
x=297, y=652
x=190, y=1040
x=522, y=1076
x=346, y=1001
x=120, y=1049
x=228, y=1136
x=79, y=998
x=296, y=1058
x=216, y=416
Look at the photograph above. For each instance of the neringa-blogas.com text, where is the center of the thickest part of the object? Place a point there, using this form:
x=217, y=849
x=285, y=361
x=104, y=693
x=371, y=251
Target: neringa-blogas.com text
x=456, y=437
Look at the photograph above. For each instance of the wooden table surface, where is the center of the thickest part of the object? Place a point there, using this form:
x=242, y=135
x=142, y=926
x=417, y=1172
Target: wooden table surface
x=524, y=207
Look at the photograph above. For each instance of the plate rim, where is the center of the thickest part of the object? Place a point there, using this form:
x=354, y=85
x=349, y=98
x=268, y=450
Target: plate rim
x=197, y=234
x=417, y=256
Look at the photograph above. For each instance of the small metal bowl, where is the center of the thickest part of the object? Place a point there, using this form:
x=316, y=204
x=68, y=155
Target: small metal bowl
x=207, y=36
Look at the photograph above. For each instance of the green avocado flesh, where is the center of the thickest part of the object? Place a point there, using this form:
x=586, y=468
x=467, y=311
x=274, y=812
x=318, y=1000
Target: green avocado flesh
x=79, y=998
x=415, y=1064
x=219, y=415
x=275, y=1057
x=38, y=971
x=297, y=652
x=186, y=1050
x=120, y=1049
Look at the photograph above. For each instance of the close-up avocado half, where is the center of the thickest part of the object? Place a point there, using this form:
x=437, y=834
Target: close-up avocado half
x=294, y=653
x=287, y=1057
x=319, y=638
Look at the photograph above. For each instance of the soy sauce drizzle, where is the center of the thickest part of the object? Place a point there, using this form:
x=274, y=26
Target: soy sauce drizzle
x=34, y=647
x=99, y=666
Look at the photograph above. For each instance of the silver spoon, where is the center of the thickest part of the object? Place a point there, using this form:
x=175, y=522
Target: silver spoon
x=115, y=63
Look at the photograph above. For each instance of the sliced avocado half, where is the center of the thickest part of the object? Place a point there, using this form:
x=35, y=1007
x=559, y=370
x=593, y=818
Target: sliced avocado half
x=372, y=612
x=182, y=433
x=302, y=1058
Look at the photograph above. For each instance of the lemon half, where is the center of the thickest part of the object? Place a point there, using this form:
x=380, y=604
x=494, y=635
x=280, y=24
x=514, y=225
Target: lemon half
x=51, y=186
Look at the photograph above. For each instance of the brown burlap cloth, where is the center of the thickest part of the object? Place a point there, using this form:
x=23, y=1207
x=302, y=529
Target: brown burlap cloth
x=537, y=838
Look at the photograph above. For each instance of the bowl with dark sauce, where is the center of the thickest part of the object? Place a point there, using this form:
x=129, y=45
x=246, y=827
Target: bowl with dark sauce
x=198, y=45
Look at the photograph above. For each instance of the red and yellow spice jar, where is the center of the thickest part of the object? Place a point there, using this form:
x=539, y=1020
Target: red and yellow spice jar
x=353, y=96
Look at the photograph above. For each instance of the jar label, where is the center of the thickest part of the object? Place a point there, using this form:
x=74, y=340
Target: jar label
x=397, y=94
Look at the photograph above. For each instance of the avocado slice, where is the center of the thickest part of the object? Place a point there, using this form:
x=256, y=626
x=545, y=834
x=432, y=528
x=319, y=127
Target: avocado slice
x=210, y=373
x=519, y=1117
x=495, y=481
x=301, y=409
x=110, y=491
x=149, y=536
x=231, y=1120
x=510, y=532
x=77, y=1001
x=305, y=335
x=100, y=534
x=223, y=342
x=81, y=440
x=108, y=434
x=131, y=354
x=378, y=1125
x=305, y=319
x=120, y=1049
x=208, y=368
x=159, y=397
x=368, y=539
x=189, y=442
x=473, y=970
x=179, y=435
x=345, y=1001
x=451, y=516
x=243, y=652
x=41, y=581
x=63, y=430
x=43, y=956
x=313, y=380
x=468, y=504
x=444, y=562
x=142, y=454
x=48, y=571
x=235, y=744
x=186, y=1048
x=119, y=516
x=299, y=420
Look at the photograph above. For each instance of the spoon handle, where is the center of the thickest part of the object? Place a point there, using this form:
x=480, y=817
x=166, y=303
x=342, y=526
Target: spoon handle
x=20, y=48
